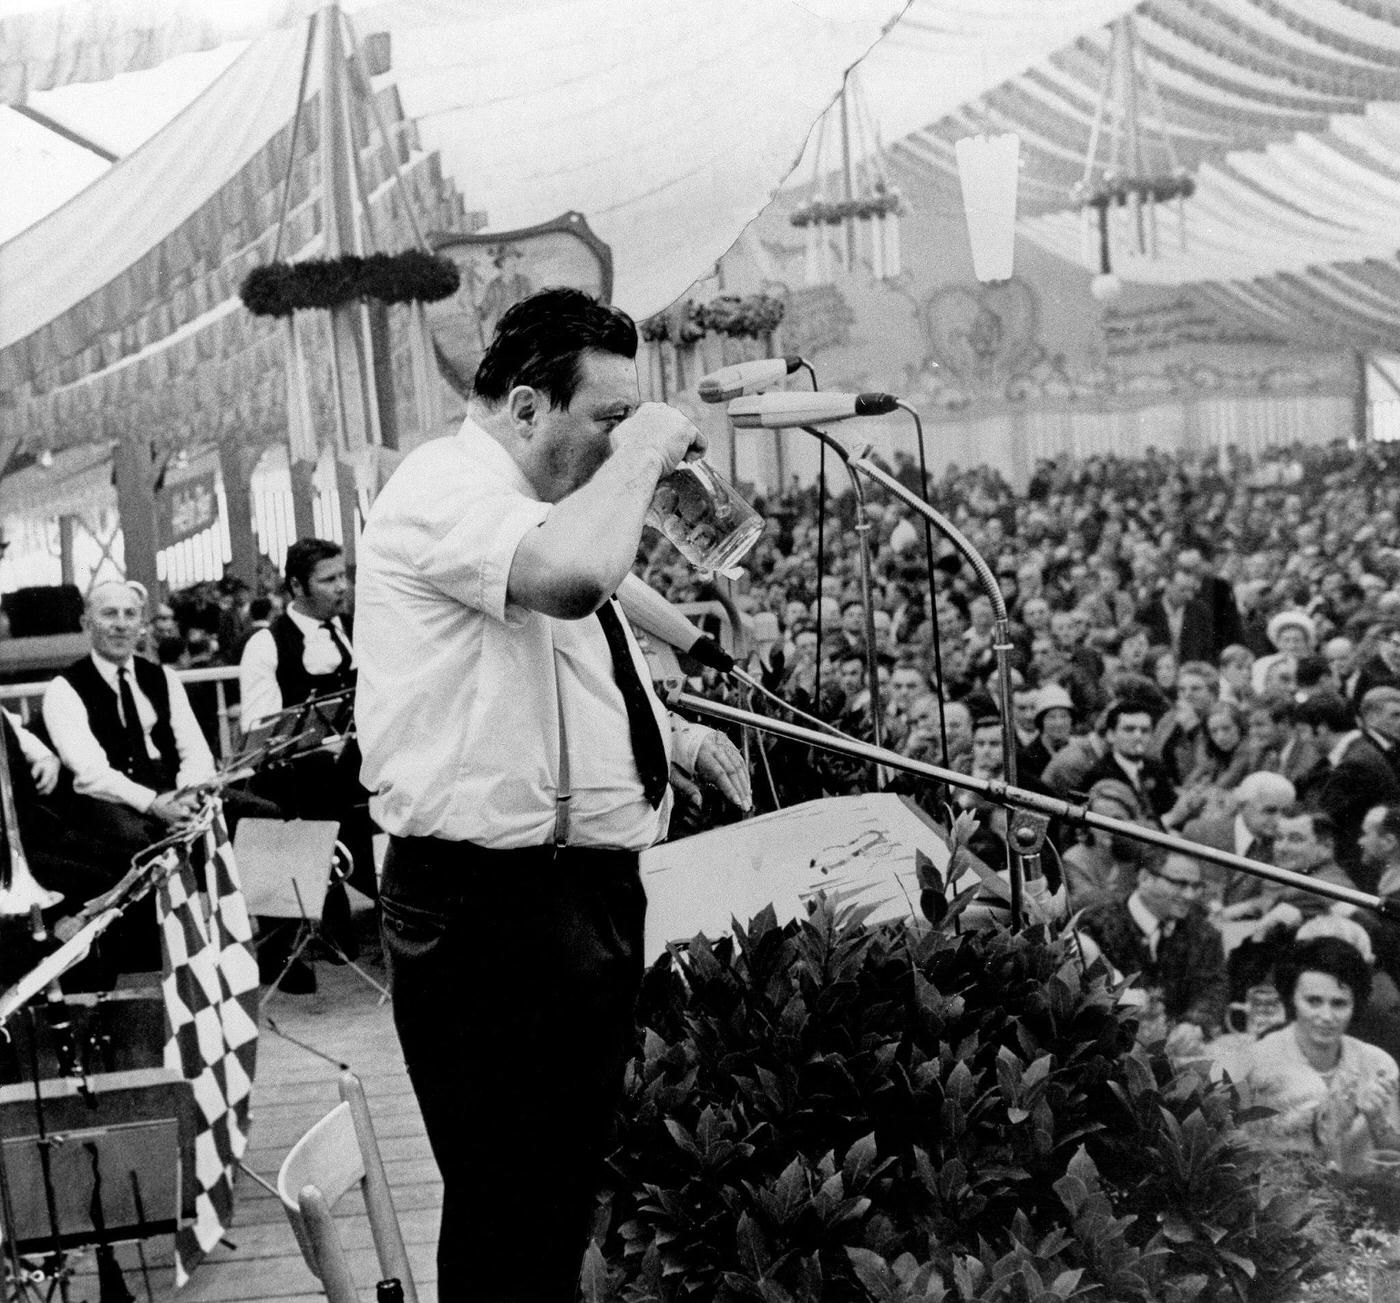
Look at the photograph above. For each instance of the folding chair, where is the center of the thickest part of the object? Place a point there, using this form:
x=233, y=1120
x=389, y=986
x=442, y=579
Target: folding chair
x=334, y=1155
x=285, y=868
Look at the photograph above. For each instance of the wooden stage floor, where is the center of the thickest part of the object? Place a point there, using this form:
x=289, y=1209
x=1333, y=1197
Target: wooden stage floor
x=293, y=1088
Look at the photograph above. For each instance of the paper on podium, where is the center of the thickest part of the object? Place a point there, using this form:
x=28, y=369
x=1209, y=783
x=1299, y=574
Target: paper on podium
x=856, y=849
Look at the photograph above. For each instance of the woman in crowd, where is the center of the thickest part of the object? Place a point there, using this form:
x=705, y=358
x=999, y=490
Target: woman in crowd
x=1225, y=759
x=1160, y=665
x=1334, y=1096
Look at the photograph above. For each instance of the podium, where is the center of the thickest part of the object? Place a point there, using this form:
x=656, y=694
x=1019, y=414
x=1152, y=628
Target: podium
x=860, y=850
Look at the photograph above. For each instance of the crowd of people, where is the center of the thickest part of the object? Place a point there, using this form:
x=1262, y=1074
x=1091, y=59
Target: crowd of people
x=1207, y=645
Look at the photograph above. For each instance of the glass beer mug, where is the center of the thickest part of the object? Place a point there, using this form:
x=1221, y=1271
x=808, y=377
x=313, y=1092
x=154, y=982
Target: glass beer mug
x=702, y=514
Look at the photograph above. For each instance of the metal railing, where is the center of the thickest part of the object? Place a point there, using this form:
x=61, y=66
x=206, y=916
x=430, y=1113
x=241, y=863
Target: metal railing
x=24, y=699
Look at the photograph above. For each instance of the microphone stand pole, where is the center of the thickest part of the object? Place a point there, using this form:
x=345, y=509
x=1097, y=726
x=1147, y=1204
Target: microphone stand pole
x=1027, y=834
x=872, y=660
x=1036, y=804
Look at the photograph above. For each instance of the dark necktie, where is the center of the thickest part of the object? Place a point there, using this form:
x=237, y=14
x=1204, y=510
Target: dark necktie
x=131, y=726
x=340, y=645
x=647, y=747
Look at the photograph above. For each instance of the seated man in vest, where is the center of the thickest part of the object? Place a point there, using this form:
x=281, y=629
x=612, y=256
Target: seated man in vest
x=124, y=728
x=304, y=653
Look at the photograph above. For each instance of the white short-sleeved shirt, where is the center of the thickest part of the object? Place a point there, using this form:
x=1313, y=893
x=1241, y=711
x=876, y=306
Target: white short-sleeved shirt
x=459, y=692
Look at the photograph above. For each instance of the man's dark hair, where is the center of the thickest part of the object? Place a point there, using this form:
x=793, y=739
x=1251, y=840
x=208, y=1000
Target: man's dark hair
x=1312, y=670
x=305, y=555
x=540, y=340
x=260, y=608
x=1339, y=959
x=1323, y=829
x=1328, y=710
x=1123, y=706
x=1280, y=709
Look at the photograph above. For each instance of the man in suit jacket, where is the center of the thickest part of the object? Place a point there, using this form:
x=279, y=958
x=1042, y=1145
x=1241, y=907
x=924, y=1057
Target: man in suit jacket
x=1352, y=777
x=1127, y=728
x=1161, y=933
x=1215, y=593
x=1379, y=713
x=1180, y=620
x=1259, y=801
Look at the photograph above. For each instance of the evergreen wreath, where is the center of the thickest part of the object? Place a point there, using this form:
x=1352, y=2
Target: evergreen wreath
x=823, y=212
x=282, y=288
x=750, y=317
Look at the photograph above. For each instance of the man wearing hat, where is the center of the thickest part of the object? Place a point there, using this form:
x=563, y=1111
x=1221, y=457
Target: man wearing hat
x=1294, y=635
x=1054, y=722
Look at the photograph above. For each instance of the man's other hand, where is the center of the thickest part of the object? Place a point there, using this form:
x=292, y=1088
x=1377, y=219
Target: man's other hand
x=45, y=771
x=662, y=429
x=720, y=764
x=171, y=808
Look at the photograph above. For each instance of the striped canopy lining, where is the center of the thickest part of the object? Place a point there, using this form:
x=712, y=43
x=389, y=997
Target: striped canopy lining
x=1284, y=111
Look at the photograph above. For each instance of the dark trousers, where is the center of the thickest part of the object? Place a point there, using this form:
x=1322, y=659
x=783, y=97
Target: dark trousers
x=514, y=978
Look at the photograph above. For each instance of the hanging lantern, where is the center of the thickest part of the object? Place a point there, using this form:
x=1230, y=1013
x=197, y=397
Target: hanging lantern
x=1119, y=195
x=989, y=169
x=862, y=224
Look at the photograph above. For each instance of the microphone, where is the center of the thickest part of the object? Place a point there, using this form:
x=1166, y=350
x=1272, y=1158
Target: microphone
x=745, y=378
x=653, y=614
x=784, y=410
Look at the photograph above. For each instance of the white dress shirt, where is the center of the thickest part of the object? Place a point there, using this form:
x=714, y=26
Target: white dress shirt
x=66, y=718
x=30, y=747
x=1244, y=839
x=1341, y=746
x=457, y=709
x=1153, y=928
x=259, y=693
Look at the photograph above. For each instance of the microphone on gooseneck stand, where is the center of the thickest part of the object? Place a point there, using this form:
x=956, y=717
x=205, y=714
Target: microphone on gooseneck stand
x=746, y=378
x=652, y=613
x=787, y=410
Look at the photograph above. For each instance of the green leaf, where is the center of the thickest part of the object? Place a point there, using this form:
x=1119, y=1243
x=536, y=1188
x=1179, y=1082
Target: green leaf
x=595, y=1280
x=874, y=1274
x=752, y=1245
x=859, y=1160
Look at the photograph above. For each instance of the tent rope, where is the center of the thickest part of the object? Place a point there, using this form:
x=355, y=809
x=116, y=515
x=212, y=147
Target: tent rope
x=296, y=127
x=367, y=89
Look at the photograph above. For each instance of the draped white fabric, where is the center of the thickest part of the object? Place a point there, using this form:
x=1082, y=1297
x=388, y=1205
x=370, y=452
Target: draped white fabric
x=128, y=210
x=668, y=124
x=1286, y=208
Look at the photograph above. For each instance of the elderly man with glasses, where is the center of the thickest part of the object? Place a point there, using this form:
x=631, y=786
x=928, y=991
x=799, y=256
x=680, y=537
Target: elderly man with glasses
x=1161, y=933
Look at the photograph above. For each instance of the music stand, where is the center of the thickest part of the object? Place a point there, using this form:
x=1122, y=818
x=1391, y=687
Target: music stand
x=148, y=868
x=285, y=866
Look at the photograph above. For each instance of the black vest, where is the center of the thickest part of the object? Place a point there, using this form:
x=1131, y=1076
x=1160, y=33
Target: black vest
x=296, y=684
x=104, y=718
